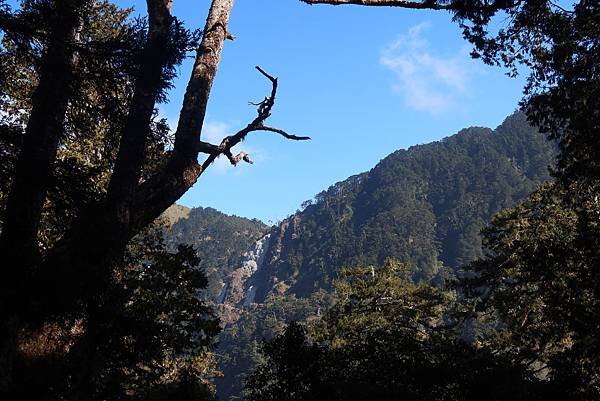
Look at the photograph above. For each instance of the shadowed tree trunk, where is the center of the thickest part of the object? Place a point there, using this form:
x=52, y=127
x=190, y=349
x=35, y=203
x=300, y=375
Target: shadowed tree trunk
x=130, y=159
x=18, y=240
x=83, y=259
x=70, y=279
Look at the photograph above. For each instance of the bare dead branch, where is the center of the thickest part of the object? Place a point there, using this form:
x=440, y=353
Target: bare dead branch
x=285, y=134
x=182, y=169
x=208, y=148
x=264, y=111
x=264, y=108
x=239, y=157
x=419, y=5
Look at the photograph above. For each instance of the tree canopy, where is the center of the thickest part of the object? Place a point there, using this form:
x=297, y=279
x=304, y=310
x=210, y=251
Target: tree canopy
x=387, y=339
x=535, y=291
x=556, y=45
x=87, y=165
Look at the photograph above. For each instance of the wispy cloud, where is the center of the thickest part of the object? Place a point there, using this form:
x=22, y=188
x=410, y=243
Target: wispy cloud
x=429, y=82
x=213, y=132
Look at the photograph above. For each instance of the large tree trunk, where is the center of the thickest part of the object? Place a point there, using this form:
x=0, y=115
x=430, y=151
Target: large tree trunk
x=128, y=167
x=182, y=170
x=78, y=269
x=83, y=259
x=42, y=135
x=18, y=240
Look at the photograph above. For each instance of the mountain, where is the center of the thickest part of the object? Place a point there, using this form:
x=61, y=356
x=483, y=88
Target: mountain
x=220, y=240
x=425, y=205
x=173, y=214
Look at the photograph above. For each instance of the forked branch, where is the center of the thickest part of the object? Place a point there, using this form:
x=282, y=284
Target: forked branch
x=420, y=5
x=258, y=124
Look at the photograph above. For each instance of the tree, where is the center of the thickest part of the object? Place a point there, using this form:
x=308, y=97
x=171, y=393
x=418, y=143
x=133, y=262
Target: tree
x=558, y=46
x=151, y=335
x=387, y=339
x=541, y=278
x=71, y=272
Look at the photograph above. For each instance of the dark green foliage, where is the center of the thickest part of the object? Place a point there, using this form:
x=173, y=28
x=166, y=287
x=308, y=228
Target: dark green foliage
x=293, y=370
x=10, y=143
x=168, y=329
x=385, y=339
x=425, y=206
x=103, y=87
x=560, y=46
x=149, y=337
x=541, y=275
x=240, y=342
x=219, y=240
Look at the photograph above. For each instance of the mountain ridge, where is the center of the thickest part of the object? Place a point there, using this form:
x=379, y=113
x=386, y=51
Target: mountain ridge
x=424, y=205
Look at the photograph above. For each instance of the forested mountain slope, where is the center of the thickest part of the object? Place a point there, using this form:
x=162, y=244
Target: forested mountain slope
x=425, y=205
x=220, y=240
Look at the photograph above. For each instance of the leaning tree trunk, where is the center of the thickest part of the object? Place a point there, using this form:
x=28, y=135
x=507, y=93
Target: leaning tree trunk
x=130, y=159
x=81, y=262
x=78, y=270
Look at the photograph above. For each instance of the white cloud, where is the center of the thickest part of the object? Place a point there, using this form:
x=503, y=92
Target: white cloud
x=213, y=132
x=430, y=83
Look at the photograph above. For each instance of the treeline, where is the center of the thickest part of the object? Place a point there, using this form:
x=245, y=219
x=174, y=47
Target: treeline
x=424, y=206
x=519, y=324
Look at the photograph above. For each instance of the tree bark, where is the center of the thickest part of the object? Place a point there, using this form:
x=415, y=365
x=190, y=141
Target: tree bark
x=419, y=5
x=42, y=135
x=182, y=170
x=130, y=159
x=19, y=237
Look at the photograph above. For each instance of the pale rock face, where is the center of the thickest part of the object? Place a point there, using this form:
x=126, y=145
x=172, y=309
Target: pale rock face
x=250, y=294
x=238, y=288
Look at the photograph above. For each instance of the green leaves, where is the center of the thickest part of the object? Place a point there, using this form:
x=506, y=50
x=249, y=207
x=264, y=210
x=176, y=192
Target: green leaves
x=424, y=206
x=542, y=276
x=386, y=338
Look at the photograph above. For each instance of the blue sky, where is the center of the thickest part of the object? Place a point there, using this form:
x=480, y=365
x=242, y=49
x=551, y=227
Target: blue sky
x=362, y=82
